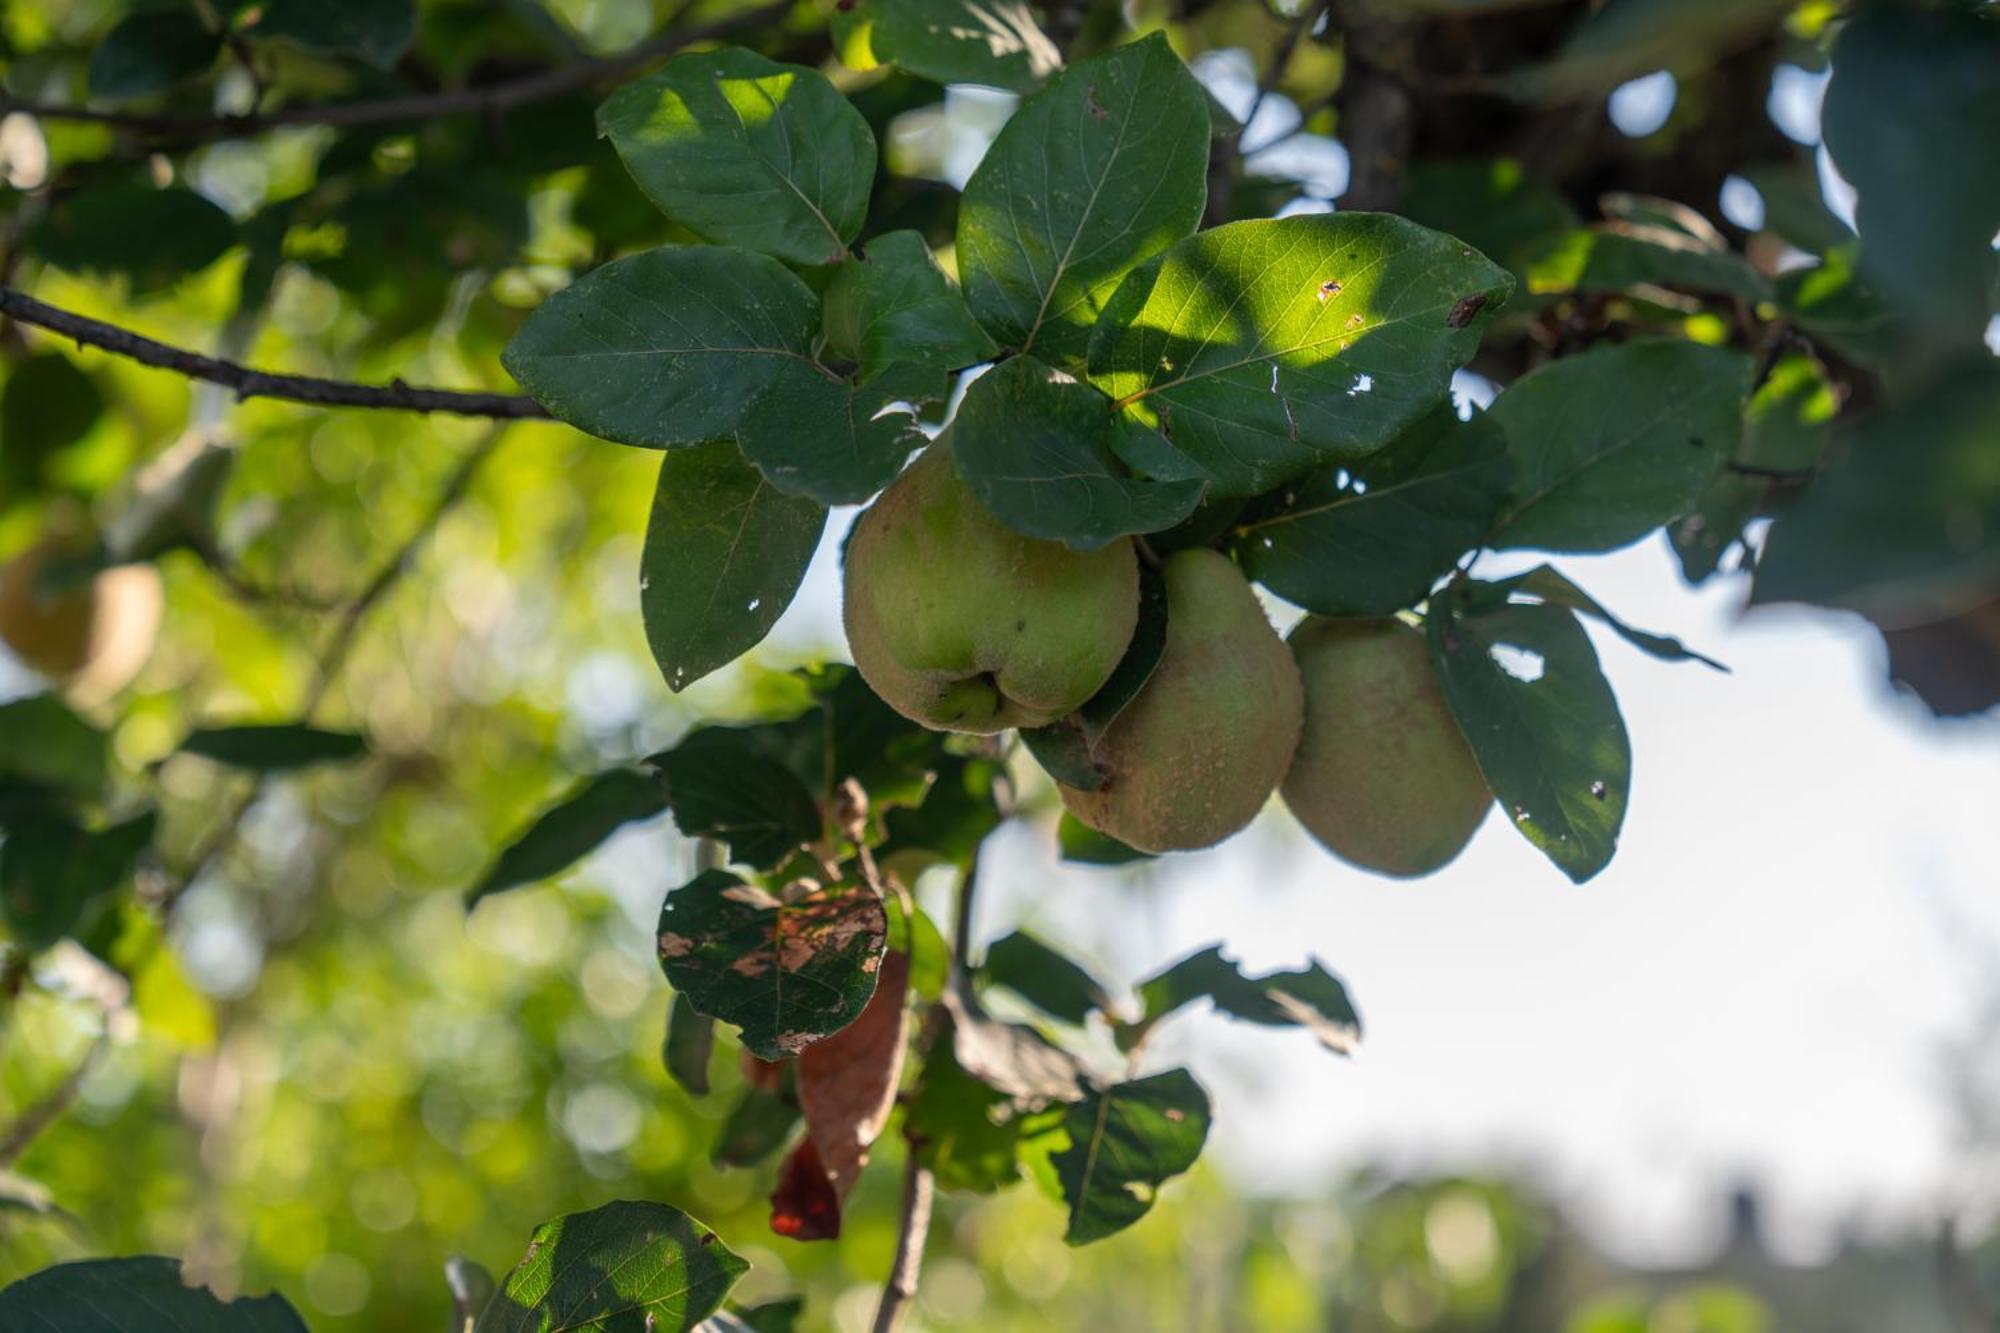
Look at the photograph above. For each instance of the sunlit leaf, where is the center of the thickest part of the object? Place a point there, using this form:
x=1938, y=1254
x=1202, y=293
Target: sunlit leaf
x=992, y=42
x=1125, y=1141
x=621, y=1268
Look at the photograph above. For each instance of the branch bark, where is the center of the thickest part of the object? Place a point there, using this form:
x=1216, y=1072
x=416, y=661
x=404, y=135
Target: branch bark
x=919, y=1192
x=250, y=383
x=482, y=101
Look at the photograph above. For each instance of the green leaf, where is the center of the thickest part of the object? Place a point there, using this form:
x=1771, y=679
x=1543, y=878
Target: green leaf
x=153, y=237
x=890, y=304
x=151, y=50
x=967, y=1133
x=1903, y=526
x=621, y=1268
x=788, y=970
x=1524, y=683
x=274, y=748
x=1084, y=845
x=1042, y=977
x=725, y=553
x=472, y=1290
x=46, y=404
x=1341, y=549
x=1795, y=207
x=52, y=872
x=1142, y=658
x=124, y=1295
x=665, y=347
x=746, y=151
x=991, y=42
x=1100, y=171
x=722, y=787
x=1546, y=585
x=690, y=1039
x=1041, y=450
x=956, y=815
x=837, y=443
x=773, y=1316
x=50, y=746
x=1624, y=257
x=1124, y=1142
x=573, y=828
x=1909, y=116
x=757, y=1126
x=1843, y=311
x=1310, y=997
x=1493, y=205
x=1624, y=39
x=375, y=31
x=1264, y=349
x=1613, y=443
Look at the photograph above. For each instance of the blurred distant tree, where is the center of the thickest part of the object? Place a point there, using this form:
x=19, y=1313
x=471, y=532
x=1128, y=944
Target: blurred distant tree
x=1193, y=321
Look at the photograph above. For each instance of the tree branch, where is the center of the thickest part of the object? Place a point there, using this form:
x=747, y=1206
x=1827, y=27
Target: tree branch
x=483, y=101
x=249, y=383
x=1378, y=116
x=24, y=1131
x=919, y=1191
x=1227, y=156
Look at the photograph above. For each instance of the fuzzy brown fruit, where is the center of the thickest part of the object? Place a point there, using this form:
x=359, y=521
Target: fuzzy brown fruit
x=1383, y=777
x=962, y=624
x=91, y=635
x=1196, y=755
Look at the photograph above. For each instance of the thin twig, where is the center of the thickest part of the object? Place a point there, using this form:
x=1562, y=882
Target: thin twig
x=249, y=383
x=340, y=643
x=1228, y=153
x=919, y=1190
x=413, y=107
x=961, y=925
x=25, y=1130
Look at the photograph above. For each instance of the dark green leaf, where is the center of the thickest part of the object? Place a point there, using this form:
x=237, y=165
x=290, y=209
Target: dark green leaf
x=1042, y=977
x=967, y=1133
x=1142, y=658
x=757, y=1126
x=1064, y=754
x=1795, y=208
x=1623, y=257
x=151, y=50
x=1613, y=443
x=153, y=237
x=46, y=404
x=1037, y=448
x=1342, y=549
x=744, y=151
x=50, y=746
x=126, y=1295
x=1545, y=584
x=52, y=872
x=773, y=1316
x=375, y=31
x=725, y=553
x=993, y=42
x=722, y=787
x=956, y=815
x=1310, y=997
x=1086, y=846
x=690, y=1038
x=1098, y=172
x=573, y=828
x=1264, y=349
x=1493, y=205
x=621, y=1268
x=1624, y=39
x=1125, y=1141
x=1910, y=115
x=1843, y=311
x=1524, y=683
x=890, y=304
x=833, y=442
x=472, y=1290
x=788, y=970
x=665, y=347
x=275, y=748
x=1904, y=524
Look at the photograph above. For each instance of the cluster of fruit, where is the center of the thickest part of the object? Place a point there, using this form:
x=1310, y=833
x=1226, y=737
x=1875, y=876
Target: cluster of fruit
x=962, y=624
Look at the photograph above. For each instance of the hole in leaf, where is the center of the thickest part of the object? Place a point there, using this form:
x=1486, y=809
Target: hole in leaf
x=1523, y=664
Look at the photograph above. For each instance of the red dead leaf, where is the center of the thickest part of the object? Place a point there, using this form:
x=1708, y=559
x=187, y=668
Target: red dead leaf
x=847, y=1083
x=804, y=1206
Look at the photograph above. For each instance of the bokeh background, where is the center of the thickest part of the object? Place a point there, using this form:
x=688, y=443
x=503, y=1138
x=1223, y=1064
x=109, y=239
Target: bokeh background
x=1748, y=1079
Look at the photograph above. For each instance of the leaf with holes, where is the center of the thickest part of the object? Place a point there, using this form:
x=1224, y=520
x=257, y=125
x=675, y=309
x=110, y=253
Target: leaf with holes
x=1042, y=977
x=1615, y=442
x=1310, y=997
x=991, y=42
x=124, y=1295
x=1042, y=451
x=1524, y=683
x=1265, y=349
x=1125, y=1141
x=1345, y=549
x=746, y=151
x=274, y=748
x=723, y=786
x=619, y=1267
x=834, y=442
x=891, y=304
x=668, y=346
x=1101, y=170
x=725, y=553
x=789, y=969
x=574, y=827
